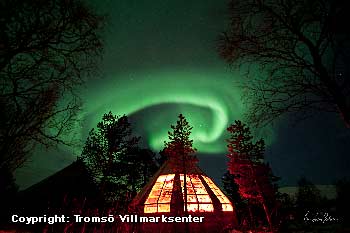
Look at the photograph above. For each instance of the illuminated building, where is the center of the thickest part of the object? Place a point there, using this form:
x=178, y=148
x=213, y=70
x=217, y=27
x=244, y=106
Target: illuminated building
x=165, y=195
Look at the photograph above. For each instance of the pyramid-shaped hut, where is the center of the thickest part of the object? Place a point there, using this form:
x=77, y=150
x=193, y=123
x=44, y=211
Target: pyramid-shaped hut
x=205, y=209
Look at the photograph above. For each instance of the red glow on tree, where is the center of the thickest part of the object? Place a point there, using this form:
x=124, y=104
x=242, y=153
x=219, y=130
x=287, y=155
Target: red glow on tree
x=251, y=174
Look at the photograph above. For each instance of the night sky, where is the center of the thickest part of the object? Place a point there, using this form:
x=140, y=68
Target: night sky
x=161, y=60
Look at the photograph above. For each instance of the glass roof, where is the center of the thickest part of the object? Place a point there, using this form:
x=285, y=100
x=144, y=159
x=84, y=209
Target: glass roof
x=198, y=198
x=160, y=196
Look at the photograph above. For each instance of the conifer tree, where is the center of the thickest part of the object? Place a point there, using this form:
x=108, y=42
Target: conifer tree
x=179, y=149
x=231, y=189
x=115, y=161
x=180, y=146
x=253, y=177
x=308, y=198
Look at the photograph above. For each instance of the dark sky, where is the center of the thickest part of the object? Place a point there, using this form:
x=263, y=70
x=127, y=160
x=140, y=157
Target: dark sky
x=161, y=59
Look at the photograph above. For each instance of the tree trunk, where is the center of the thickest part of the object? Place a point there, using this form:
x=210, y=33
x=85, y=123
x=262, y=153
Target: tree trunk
x=251, y=216
x=262, y=198
x=343, y=109
x=268, y=217
x=340, y=100
x=187, y=227
x=104, y=178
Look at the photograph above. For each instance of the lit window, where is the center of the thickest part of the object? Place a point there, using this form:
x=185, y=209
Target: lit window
x=160, y=196
x=198, y=199
x=225, y=202
x=206, y=207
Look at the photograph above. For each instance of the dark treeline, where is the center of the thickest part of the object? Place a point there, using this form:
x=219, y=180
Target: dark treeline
x=112, y=169
x=48, y=48
x=252, y=187
x=307, y=210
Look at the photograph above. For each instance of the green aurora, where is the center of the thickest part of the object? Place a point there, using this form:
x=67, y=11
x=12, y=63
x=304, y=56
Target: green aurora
x=161, y=60
x=208, y=100
x=162, y=55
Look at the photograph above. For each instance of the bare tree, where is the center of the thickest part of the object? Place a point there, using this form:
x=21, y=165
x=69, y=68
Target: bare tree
x=47, y=49
x=294, y=54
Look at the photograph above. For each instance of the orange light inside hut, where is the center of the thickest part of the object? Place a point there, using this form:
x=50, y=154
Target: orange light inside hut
x=225, y=202
x=198, y=199
x=160, y=196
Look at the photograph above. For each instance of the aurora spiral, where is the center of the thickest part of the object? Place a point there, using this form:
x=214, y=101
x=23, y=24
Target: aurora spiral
x=159, y=63
x=160, y=60
x=207, y=99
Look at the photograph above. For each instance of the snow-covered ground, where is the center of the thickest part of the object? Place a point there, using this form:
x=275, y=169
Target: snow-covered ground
x=328, y=191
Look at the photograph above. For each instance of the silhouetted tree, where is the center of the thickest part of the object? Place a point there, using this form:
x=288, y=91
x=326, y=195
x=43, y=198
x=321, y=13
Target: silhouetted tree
x=286, y=212
x=179, y=149
x=232, y=191
x=8, y=191
x=254, y=178
x=300, y=49
x=308, y=198
x=231, y=188
x=342, y=200
x=147, y=164
x=162, y=157
x=112, y=155
x=180, y=146
x=47, y=48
